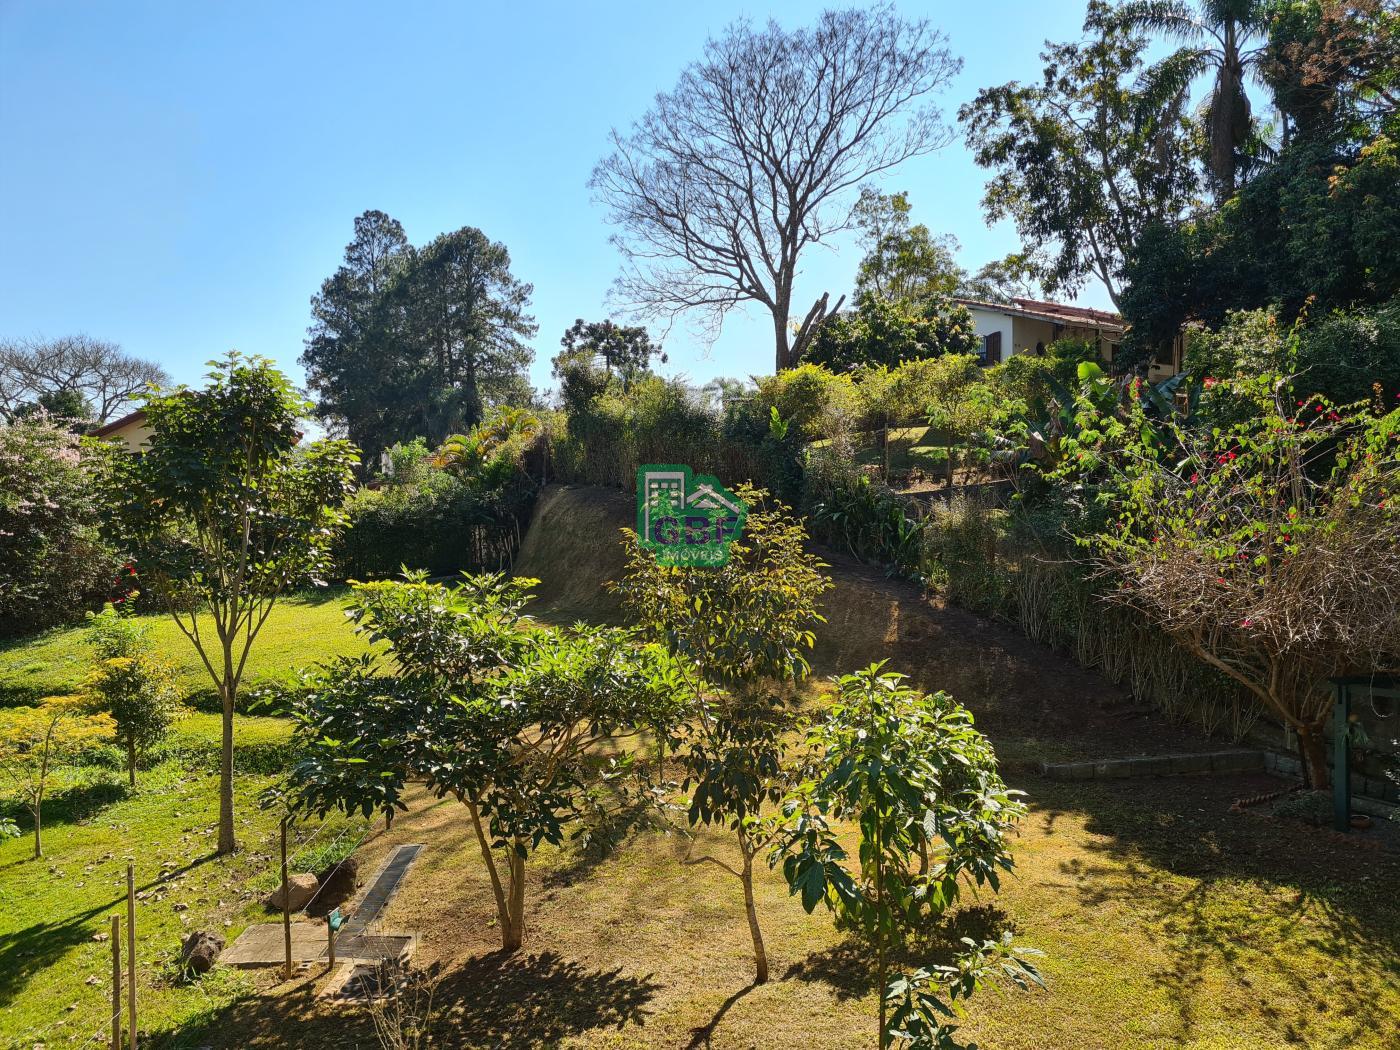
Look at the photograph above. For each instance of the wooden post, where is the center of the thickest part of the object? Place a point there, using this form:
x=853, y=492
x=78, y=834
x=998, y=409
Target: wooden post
x=1341, y=757
x=330, y=945
x=286, y=901
x=116, y=983
x=131, y=956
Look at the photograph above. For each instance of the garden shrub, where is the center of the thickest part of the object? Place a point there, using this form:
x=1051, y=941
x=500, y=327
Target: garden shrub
x=884, y=332
x=441, y=523
x=54, y=565
x=813, y=402
x=612, y=431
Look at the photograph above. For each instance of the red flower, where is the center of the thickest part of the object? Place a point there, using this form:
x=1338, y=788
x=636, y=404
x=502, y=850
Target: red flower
x=1195, y=478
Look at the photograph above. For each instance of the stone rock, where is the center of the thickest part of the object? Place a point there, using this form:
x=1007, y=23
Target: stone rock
x=199, y=952
x=300, y=889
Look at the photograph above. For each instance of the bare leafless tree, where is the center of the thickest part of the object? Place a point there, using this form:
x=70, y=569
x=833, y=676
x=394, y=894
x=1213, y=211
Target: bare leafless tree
x=721, y=185
x=108, y=378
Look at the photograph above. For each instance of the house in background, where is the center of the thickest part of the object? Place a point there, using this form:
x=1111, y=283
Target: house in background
x=1028, y=326
x=131, y=430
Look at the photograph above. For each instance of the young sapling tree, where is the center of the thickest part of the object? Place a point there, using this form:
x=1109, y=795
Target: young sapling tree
x=742, y=630
x=483, y=706
x=920, y=783
x=226, y=511
x=33, y=739
x=131, y=683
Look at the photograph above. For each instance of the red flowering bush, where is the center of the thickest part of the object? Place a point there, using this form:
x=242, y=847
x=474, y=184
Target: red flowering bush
x=1269, y=547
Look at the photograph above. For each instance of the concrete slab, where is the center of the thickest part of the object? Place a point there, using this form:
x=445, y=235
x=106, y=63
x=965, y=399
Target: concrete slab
x=262, y=945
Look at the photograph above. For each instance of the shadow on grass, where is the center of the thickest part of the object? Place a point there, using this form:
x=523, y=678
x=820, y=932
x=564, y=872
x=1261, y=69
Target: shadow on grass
x=700, y=1037
x=498, y=1000
x=849, y=969
x=71, y=805
x=1237, y=895
x=25, y=953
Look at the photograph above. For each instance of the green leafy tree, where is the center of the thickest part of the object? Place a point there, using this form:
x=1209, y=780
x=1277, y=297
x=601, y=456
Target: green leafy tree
x=33, y=739
x=1267, y=544
x=485, y=707
x=624, y=351
x=410, y=342
x=903, y=260
x=225, y=512
x=1087, y=159
x=467, y=322
x=743, y=631
x=131, y=683
x=887, y=332
x=920, y=783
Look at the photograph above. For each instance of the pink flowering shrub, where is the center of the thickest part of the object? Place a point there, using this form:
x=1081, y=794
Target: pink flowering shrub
x=54, y=565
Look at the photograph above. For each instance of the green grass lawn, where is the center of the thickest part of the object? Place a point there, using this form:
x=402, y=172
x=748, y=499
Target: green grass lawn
x=302, y=629
x=55, y=983
x=1166, y=920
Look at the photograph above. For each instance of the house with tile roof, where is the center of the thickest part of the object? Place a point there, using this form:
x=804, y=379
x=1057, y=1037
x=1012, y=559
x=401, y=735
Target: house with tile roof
x=1028, y=326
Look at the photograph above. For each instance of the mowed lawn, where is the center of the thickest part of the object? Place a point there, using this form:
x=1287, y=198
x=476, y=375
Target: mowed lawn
x=1166, y=920
x=55, y=983
x=302, y=629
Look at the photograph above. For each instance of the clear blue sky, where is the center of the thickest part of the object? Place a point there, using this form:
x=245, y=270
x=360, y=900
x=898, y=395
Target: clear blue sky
x=180, y=177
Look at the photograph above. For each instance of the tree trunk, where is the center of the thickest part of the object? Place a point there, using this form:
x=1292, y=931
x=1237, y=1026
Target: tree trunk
x=499, y=891
x=38, y=833
x=131, y=761
x=227, y=843
x=783, y=357
x=513, y=935
x=1313, y=748
x=760, y=954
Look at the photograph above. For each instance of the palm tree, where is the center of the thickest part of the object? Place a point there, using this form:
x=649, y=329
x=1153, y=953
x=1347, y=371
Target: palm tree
x=1214, y=33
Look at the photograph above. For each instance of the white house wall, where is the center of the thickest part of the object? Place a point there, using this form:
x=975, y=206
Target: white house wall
x=985, y=322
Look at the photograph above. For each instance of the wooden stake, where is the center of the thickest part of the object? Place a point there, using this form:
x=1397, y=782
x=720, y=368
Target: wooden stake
x=116, y=983
x=286, y=901
x=330, y=945
x=131, y=955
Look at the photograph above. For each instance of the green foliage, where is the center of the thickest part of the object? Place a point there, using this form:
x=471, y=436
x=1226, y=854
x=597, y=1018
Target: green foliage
x=890, y=331
x=814, y=401
x=851, y=510
x=227, y=511
x=441, y=524
x=53, y=560
x=34, y=739
x=624, y=352
x=749, y=619
x=1087, y=159
x=409, y=341
x=740, y=629
x=1309, y=233
x=903, y=261
x=921, y=784
x=132, y=684
x=1341, y=356
x=483, y=707
x=613, y=431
